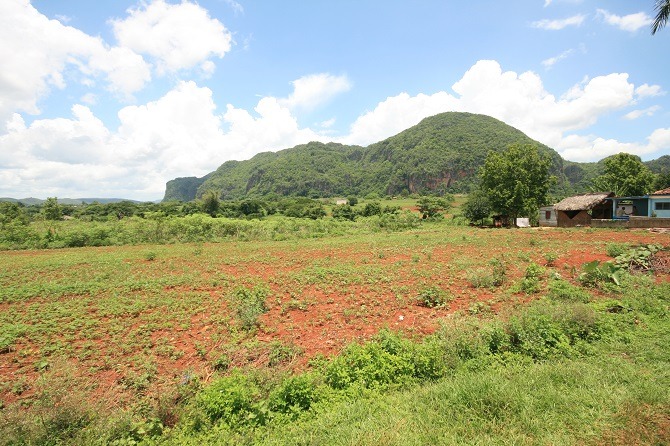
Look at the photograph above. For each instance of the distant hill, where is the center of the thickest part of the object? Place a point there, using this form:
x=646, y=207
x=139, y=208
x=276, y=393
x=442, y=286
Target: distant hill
x=444, y=151
x=71, y=201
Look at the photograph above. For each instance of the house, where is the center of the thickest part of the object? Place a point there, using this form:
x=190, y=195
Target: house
x=659, y=203
x=547, y=216
x=581, y=209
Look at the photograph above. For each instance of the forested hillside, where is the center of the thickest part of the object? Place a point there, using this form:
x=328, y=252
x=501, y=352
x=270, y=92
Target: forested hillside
x=441, y=153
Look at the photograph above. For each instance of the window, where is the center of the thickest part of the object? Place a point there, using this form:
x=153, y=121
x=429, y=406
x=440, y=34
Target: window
x=547, y=215
x=662, y=206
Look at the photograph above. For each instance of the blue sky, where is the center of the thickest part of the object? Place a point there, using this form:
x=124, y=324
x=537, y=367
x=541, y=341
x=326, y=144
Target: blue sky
x=114, y=98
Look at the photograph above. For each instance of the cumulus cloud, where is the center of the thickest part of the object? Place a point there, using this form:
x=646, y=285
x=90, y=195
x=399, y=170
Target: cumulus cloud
x=396, y=114
x=635, y=114
x=630, y=22
x=37, y=51
x=519, y=100
x=646, y=90
x=558, y=24
x=591, y=148
x=185, y=133
x=180, y=134
x=314, y=90
x=177, y=37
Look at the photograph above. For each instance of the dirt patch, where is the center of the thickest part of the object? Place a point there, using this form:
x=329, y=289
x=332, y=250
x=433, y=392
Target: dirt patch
x=323, y=295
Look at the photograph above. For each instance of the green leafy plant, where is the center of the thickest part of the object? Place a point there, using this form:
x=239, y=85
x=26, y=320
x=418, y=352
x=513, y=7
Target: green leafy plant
x=550, y=258
x=595, y=273
x=433, y=297
x=249, y=304
x=616, y=249
x=637, y=259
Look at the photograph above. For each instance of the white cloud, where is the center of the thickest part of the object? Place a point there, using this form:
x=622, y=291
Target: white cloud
x=180, y=134
x=548, y=63
x=396, y=114
x=314, y=90
x=591, y=148
x=555, y=25
x=519, y=100
x=630, y=22
x=178, y=36
x=184, y=133
x=635, y=114
x=645, y=90
x=37, y=52
x=236, y=7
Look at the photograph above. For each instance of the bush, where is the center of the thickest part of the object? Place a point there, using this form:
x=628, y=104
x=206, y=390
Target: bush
x=596, y=274
x=531, y=281
x=344, y=212
x=375, y=365
x=249, y=304
x=232, y=400
x=616, y=249
x=294, y=395
x=493, y=276
x=561, y=290
x=433, y=297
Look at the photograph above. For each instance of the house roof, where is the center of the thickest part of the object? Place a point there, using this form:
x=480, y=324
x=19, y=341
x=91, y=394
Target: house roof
x=582, y=202
x=665, y=191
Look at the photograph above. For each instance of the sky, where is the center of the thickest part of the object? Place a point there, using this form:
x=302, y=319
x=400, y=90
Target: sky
x=113, y=98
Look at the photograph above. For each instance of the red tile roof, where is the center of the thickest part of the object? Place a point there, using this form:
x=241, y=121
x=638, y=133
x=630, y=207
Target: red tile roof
x=665, y=191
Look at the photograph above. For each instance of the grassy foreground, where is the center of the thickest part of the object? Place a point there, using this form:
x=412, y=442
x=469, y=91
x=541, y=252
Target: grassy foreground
x=613, y=388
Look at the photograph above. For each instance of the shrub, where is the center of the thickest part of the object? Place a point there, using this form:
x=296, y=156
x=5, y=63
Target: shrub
x=616, y=249
x=433, y=297
x=344, y=212
x=294, y=395
x=232, y=399
x=531, y=281
x=550, y=258
x=561, y=290
x=488, y=277
x=537, y=335
x=249, y=304
x=281, y=353
x=375, y=365
x=596, y=274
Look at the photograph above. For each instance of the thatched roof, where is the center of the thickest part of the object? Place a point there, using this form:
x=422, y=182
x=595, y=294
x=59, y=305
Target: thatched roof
x=582, y=202
x=665, y=191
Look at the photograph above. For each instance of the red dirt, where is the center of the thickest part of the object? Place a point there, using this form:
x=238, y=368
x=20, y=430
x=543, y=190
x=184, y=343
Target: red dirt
x=314, y=318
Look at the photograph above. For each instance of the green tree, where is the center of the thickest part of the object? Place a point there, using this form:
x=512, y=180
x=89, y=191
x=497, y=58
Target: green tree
x=662, y=180
x=662, y=14
x=477, y=207
x=625, y=175
x=51, y=209
x=12, y=212
x=516, y=181
x=431, y=207
x=211, y=203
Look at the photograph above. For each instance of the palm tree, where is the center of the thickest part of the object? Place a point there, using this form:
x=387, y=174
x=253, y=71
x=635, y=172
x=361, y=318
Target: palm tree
x=662, y=14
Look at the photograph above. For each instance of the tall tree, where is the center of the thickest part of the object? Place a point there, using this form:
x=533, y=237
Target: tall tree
x=211, y=203
x=625, y=175
x=477, y=207
x=517, y=180
x=51, y=209
x=662, y=14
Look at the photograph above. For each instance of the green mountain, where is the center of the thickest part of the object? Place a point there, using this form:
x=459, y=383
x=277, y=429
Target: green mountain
x=68, y=201
x=441, y=152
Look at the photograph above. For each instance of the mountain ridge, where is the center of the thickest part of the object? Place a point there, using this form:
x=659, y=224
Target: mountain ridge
x=441, y=153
